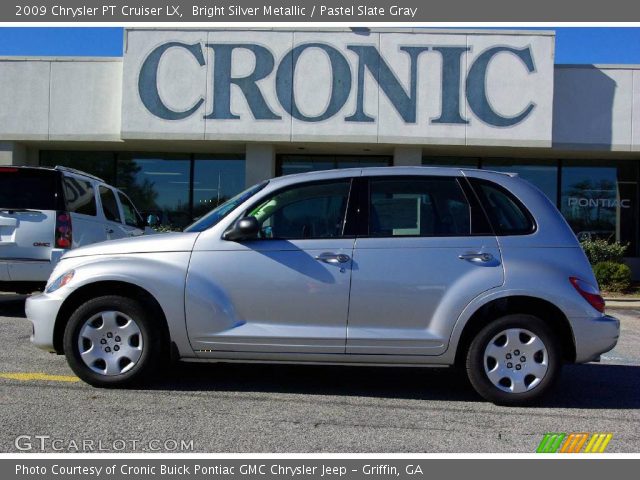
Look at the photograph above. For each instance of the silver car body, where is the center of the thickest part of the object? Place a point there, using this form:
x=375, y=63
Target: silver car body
x=401, y=300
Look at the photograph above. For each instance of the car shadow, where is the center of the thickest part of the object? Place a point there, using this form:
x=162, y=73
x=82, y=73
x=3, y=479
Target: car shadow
x=590, y=386
x=12, y=305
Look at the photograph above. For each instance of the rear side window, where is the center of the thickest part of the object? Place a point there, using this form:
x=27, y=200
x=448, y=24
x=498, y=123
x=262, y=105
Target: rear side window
x=506, y=213
x=31, y=189
x=79, y=196
x=418, y=206
x=109, y=204
x=131, y=215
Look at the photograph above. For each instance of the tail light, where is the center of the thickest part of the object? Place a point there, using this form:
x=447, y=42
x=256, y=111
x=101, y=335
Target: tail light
x=590, y=293
x=64, y=237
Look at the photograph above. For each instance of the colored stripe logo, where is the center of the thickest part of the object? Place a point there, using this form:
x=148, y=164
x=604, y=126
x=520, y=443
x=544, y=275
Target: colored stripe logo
x=574, y=443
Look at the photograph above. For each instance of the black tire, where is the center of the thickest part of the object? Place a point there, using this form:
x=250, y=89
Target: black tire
x=152, y=343
x=475, y=361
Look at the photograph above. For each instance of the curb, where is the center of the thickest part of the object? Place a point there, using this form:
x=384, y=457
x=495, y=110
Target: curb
x=623, y=304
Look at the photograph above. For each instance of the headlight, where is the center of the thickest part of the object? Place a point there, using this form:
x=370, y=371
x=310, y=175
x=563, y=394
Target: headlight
x=61, y=281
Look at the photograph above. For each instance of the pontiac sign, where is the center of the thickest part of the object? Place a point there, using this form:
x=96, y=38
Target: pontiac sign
x=306, y=85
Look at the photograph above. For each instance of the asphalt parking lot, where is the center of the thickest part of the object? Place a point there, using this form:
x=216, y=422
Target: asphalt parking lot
x=262, y=408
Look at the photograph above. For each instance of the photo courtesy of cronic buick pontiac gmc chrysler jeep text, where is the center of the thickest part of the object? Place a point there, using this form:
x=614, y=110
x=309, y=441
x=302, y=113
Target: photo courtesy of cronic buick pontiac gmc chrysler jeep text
x=391, y=266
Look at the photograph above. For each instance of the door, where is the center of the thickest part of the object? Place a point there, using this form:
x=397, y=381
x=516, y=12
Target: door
x=112, y=218
x=80, y=198
x=133, y=222
x=286, y=291
x=423, y=258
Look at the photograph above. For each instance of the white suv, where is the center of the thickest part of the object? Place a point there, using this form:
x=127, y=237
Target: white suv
x=46, y=211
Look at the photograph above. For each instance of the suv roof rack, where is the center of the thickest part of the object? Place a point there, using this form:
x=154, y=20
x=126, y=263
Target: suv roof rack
x=79, y=172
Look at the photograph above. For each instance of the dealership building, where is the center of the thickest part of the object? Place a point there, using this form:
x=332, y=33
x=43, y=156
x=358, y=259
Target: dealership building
x=187, y=118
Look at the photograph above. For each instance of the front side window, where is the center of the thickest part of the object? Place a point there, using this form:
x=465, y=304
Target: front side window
x=214, y=216
x=109, y=204
x=79, y=196
x=307, y=211
x=131, y=215
x=422, y=206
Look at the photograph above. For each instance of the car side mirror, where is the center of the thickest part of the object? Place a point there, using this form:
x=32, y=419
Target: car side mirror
x=152, y=220
x=246, y=228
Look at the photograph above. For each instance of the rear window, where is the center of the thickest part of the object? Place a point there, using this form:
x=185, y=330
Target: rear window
x=80, y=196
x=507, y=214
x=29, y=189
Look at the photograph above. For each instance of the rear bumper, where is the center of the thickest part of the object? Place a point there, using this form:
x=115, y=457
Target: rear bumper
x=27, y=269
x=595, y=336
x=42, y=310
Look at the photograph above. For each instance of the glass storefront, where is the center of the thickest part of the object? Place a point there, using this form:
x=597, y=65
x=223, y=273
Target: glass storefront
x=176, y=188
x=599, y=198
x=543, y=173
x=288, y=164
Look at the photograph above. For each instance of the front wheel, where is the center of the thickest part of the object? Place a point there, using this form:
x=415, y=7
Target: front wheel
x=514, y=360
x=111, y=341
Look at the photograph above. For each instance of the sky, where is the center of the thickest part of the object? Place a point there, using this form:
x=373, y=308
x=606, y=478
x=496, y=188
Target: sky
x=573, y=44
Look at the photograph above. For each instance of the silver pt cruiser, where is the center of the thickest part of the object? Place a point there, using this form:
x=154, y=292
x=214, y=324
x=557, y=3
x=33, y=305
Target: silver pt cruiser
x=377, y=266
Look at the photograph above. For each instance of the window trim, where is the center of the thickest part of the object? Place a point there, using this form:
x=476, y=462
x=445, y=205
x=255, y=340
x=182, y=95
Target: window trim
x=253, y=205
x=366, y=198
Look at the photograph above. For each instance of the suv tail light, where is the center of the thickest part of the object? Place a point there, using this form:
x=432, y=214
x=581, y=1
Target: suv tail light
x=64, y=237
x=590, y=293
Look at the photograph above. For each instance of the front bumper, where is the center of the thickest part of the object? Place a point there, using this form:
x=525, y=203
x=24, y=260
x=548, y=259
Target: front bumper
x=595, y=336
x=42, y=310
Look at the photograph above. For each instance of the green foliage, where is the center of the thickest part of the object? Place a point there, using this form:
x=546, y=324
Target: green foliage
x=166, y=228
x=599, y=250
x=612, y=276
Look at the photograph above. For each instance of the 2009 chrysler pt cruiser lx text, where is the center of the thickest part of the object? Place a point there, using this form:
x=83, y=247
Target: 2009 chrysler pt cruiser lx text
x=386, y=266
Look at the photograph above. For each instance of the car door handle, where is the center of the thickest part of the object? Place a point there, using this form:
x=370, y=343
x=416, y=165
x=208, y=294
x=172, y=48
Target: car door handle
x=333, y=258
x=483, y=257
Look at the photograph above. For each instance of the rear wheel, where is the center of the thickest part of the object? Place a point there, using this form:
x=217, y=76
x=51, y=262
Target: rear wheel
x=111, y=341
x=514, y=360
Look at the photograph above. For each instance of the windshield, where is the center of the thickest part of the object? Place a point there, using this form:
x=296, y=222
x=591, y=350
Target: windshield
x=221, y=211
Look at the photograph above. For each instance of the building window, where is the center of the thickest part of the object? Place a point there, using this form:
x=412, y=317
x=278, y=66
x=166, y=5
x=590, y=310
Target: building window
x=215, y=180
x=158, y=185
x=289, y=164
x=542, y=173
x=600, y=200
x=99, y=164
x=174, y=187
x=461, y=162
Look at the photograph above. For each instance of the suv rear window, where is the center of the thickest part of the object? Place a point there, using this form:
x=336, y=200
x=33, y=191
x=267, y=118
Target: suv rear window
x=80, y=196
x=506, y=213
x=29, y=188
